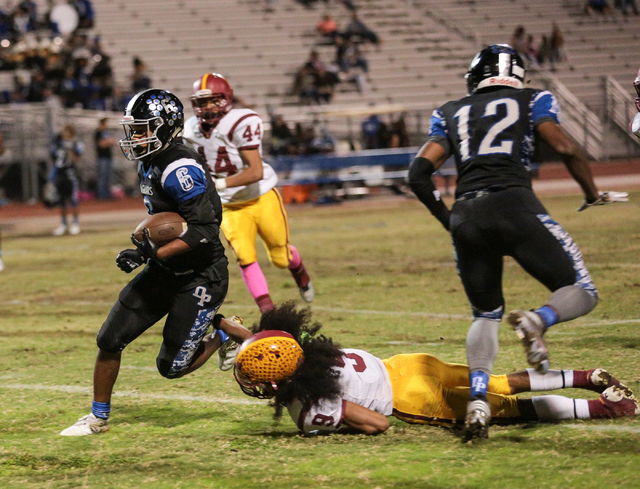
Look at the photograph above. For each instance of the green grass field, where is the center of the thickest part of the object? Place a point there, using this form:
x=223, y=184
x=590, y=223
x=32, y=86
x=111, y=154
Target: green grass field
x=385, y=282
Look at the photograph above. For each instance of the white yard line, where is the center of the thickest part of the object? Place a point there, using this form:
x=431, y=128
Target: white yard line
x=608, y=427
x=73, y=389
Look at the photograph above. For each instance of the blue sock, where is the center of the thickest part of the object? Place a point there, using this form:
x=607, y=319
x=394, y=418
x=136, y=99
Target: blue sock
x=101, y=409
x=223, y=336
x=479, y=383
x=548, y=315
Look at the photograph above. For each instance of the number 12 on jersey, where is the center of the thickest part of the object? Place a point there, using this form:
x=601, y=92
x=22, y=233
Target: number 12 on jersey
x=487, y=145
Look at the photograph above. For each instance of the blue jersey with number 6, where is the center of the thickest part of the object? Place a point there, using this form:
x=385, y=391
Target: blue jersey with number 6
x=492, y=135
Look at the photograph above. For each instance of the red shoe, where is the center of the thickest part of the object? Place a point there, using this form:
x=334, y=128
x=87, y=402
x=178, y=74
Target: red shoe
x=619, y=401
x=598, y=380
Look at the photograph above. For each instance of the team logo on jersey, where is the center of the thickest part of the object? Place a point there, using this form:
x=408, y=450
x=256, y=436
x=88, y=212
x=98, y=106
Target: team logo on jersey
x=146, y=189
x=186, y=182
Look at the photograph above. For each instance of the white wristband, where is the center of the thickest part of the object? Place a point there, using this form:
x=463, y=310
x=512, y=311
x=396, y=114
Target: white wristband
x=221, y=183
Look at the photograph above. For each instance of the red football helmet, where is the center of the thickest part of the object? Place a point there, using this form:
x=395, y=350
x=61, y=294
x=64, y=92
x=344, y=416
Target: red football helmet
x=636, y=84
x=211, y=99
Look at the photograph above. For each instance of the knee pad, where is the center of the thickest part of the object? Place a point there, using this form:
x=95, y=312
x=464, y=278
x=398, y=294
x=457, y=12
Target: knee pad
x=279, y=256
x=169, y=370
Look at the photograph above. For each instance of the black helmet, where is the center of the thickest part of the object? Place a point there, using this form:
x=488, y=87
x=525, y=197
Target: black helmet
x=495, y=65
x=152, y=119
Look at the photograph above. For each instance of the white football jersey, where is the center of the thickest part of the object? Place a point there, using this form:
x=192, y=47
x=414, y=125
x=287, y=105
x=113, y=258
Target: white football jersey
x=239, y=129
x=635, y=125
x=364, y=380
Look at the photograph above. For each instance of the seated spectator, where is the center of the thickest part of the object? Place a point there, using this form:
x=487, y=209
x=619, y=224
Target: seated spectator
x=281, y=138
x=599, y=6
x=22, y=23
x=314, y=61
x=324, y=143
x=325, y=84
x=357, y=31
x=623, y=4
x=532, y=51
x=86, y=16
x=304, y=85
x=354, y=67
x=328, y=29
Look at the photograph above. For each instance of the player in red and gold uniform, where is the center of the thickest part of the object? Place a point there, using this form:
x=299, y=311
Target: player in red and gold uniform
x=325, y=387
x=231, y=141
x=635, y=124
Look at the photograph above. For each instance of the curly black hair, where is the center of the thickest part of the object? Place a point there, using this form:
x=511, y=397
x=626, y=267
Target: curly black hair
x=315, y=378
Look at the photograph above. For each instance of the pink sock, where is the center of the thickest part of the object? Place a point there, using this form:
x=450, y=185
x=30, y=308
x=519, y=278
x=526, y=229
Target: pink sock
x=254, y=280
x=296, y=267
x=295, y=258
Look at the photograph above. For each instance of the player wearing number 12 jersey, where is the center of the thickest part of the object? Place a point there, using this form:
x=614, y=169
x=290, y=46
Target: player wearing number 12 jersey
x=326, y=388
x=492, y=133
x=231, y=141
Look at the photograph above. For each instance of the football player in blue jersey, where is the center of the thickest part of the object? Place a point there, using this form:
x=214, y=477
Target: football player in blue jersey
x=492, y=134
x=185, y=280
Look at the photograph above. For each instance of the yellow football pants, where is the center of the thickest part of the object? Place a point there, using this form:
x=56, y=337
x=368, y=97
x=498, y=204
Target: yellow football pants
x=265, y=216
x=427, y=390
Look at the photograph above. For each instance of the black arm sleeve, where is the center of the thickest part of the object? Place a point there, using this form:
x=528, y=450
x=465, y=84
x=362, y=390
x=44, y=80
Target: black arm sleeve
x=420, y=182
x=202, y=222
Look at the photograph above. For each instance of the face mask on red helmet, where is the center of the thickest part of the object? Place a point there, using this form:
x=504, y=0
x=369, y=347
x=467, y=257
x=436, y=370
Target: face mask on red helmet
x=636, y=85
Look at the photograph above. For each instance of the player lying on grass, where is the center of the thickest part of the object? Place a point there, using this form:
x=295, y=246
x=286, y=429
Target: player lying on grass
x=326, y=388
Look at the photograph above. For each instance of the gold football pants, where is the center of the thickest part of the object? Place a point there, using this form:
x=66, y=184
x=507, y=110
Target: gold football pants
x=427, y=390
x=264, y=216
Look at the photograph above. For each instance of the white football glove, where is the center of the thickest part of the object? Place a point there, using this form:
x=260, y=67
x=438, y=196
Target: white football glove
x=606, y=198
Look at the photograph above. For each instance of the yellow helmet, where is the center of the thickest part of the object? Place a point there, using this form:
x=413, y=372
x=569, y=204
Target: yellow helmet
x=264, y=360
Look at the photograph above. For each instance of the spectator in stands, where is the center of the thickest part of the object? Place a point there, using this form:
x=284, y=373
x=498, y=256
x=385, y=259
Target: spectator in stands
x=544, y=51
x=86, y=16
x=519, y=41
x=325, y=85
x=398, y=135
x=599, y=6
x=349, y=5
x=104, y=141
x=304, y=85
x=532, y=51
x=328, y=29
x=303, y=135
x=35, y=91
x=623, y=4
x=558, y=53
x=139, y=79
x=354, y=67
x=357, y=31
x=324, y=143
x=281, y=137
x=22, y=22
x=374, y=132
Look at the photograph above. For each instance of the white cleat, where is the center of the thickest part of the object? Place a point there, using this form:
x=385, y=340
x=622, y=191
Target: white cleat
x=1, y=265
x=530, y=328
x=74, y=229
x=307, y=293
x=476, y=424
x=619, y=401
x=227, y=354
x=60, y=230
x=87, y=425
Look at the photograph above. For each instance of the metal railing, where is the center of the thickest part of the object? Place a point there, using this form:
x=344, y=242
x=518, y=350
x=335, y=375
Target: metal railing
x=583, y=125
x=619, y=108
x=28, y=131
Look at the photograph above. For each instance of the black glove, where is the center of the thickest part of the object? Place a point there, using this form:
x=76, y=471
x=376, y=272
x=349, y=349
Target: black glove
x=147, y=247
x=129, y=260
